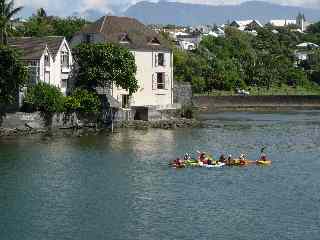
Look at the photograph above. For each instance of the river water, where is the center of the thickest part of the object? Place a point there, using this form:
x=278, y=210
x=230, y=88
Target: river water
x=119, y=186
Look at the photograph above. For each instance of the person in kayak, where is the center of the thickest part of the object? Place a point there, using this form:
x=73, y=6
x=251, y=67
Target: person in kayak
x=263, y=155
x=222, y=158
x=229, y=159
x=187, y=156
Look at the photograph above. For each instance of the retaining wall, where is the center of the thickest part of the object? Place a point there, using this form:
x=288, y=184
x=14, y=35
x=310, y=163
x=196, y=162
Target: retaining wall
x=209, y=104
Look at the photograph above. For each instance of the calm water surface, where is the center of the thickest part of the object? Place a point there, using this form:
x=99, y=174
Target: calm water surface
x=120, y=187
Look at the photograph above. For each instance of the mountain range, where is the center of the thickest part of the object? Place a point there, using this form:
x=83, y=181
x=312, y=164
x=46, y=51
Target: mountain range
x=165, y=12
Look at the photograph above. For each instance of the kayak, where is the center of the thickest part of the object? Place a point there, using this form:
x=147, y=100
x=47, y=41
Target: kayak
x=178, y=166
x=218, y=165
x=238, y=162
x=266, y=162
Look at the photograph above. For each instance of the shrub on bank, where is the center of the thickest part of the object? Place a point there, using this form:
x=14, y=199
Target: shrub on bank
x=83, y=101
x=45, y=98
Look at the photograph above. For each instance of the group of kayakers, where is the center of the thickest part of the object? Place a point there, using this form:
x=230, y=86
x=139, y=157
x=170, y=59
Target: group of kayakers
x=204, y=159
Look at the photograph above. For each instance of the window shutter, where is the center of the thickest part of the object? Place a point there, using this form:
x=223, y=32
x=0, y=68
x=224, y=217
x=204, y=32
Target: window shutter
x=156, y=60
x=164, y=60
x=167, y=81
x=154, y=81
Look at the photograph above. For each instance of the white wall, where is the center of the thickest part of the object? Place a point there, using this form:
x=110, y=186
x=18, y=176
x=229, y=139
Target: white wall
x=146, y=70
x=59, y=73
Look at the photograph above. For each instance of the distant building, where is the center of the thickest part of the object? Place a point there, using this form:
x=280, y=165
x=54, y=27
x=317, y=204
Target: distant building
x=48, y=59
x=300, y=22
x=246, y=25
x=153, y=57
x=304, y=51
x=188, y=41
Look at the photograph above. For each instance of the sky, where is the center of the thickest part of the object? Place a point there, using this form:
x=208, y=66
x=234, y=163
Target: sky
x=67, y=7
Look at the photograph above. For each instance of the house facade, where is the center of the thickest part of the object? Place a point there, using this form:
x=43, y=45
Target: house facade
x=153, y=58
x=48, y=59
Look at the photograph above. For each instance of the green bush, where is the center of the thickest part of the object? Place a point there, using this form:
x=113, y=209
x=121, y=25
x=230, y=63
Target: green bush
x=45, y=98
x=83, y=101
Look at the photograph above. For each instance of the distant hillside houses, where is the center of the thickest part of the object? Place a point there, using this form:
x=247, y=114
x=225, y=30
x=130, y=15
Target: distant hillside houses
x=300, y=23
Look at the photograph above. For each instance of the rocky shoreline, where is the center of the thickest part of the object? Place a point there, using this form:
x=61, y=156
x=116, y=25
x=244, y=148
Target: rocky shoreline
x=138, y=125
x=161, y=124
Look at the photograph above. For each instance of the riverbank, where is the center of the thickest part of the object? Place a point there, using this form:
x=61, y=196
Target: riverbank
x=256, y=103
x=24, y=124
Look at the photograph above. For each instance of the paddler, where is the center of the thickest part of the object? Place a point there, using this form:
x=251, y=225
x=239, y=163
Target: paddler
x=263, y=156
x=222, y=158
x=187, y=156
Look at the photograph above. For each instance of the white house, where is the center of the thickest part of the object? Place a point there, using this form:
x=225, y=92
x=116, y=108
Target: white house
x=153, y=56
x=246, y=24
x=304, y=51
x=48, y=59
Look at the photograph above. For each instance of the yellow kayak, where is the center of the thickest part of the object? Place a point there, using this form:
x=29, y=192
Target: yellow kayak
x=262, y=162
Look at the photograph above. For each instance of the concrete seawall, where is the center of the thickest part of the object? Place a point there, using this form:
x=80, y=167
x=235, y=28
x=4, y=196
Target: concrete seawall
x=256, y=103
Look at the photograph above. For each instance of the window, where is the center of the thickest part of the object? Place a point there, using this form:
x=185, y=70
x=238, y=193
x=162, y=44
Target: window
x=160, y=59
x=64, y=59
x=125, y=101
x=34, y=72
x=154, y=41
x=160, y=81
x=124, y=39
x=64, y=83
x=46, y=61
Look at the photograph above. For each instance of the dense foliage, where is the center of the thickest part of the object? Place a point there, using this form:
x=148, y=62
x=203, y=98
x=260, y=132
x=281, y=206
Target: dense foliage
x=83, y=101
x=40, y=25
x=101, y=65
x=45, y=98
x=7, y=12
x=243, y=60
x=13, y=74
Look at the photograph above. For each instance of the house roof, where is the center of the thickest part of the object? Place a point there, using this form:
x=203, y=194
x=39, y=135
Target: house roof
x=114, y=28
x=32, y=47
x=244, y=23
x=307, y=45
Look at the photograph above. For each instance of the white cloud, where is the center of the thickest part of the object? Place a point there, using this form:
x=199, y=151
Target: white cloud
x=94, y=4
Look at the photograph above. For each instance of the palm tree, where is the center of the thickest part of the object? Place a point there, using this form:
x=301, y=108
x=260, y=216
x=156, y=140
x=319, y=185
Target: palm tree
x=7, y=11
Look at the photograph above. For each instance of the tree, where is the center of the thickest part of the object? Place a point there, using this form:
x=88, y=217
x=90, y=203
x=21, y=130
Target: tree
x=45, y=98
x=67, y=26
x=314, y=28
x=7, y=12
x=83, y=101
x=13, y=74
x=101, y=65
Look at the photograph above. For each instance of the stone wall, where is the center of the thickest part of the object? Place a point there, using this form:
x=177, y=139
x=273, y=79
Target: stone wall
x=26, y=121
x=182, y=93
x=209, y=104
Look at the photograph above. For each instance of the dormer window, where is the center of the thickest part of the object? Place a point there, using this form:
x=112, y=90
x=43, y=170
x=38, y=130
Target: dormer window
x=154, y=41
x=124, y=39
x=46, y=60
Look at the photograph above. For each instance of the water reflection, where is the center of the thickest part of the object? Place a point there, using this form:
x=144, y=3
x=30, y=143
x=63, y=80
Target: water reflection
x=118, y=186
